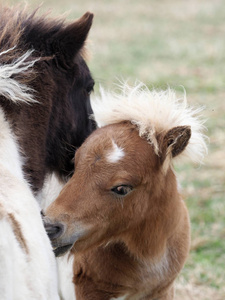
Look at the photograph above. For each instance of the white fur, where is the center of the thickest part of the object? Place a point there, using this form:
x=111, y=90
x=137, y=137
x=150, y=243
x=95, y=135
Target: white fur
x=50, y=191
x=153, y=112
x=11, y=263
x=10, y=87
x=52, y=187
x=24, y=274
x=9, y=154
x=65, y=273
x=160, y=267
x=115, y=154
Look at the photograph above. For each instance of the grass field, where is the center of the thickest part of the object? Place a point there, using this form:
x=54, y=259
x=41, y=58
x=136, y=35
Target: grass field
x=176, y=43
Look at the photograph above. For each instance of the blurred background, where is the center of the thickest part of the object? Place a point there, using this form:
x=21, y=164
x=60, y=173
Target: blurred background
x=180, y=44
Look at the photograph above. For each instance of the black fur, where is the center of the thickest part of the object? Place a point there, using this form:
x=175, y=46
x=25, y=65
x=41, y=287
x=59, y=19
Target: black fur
x=50, y=131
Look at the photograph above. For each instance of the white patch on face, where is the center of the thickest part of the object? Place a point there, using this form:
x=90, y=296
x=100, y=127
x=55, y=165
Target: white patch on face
x=116, y=154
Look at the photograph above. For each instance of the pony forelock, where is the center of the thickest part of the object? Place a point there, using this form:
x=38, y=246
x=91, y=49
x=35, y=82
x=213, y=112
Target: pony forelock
x=153, y=112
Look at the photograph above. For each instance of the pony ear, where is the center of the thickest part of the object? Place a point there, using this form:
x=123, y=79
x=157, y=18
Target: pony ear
x=71, y=40
x=174, y=142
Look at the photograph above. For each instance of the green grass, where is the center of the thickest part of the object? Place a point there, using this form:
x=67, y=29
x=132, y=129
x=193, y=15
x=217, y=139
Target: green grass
x=175, y=43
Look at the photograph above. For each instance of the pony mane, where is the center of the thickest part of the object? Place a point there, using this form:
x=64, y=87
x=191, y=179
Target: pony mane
x=17, y=23
x=20, y=33
x=153, y=112
x=17, y=60
x=12, y=85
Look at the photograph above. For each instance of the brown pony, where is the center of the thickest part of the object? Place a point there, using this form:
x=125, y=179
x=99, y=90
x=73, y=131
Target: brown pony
x=121, y=213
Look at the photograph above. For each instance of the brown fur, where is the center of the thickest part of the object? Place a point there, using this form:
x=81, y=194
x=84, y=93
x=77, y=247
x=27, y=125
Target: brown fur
x=133, y=245
x=18, y=232
x=15, y=227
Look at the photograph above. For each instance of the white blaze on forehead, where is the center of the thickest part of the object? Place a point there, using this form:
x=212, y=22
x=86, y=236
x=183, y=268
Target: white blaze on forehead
x=115, y=154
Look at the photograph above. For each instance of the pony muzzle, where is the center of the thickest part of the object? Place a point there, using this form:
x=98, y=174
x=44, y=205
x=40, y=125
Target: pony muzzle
x=54, y=230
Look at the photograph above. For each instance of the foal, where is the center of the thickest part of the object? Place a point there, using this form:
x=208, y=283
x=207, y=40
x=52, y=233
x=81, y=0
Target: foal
x=121, y=213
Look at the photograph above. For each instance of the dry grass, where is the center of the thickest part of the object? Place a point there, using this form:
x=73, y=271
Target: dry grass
x=173, y=43
x=187, y=291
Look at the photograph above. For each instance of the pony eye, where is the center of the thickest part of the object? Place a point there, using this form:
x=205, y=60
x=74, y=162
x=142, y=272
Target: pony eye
x=122, y=190
x=90, y=88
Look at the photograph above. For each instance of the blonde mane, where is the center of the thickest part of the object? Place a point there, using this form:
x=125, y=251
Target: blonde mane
x=153, y=112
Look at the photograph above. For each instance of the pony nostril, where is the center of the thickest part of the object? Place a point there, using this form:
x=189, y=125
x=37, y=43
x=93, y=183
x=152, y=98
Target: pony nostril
x=54, y=231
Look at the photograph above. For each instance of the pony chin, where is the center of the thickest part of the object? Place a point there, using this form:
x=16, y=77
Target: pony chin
x=59, y=251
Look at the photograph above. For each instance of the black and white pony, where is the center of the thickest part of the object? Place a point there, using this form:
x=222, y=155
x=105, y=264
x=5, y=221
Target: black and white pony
x=44, y=116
